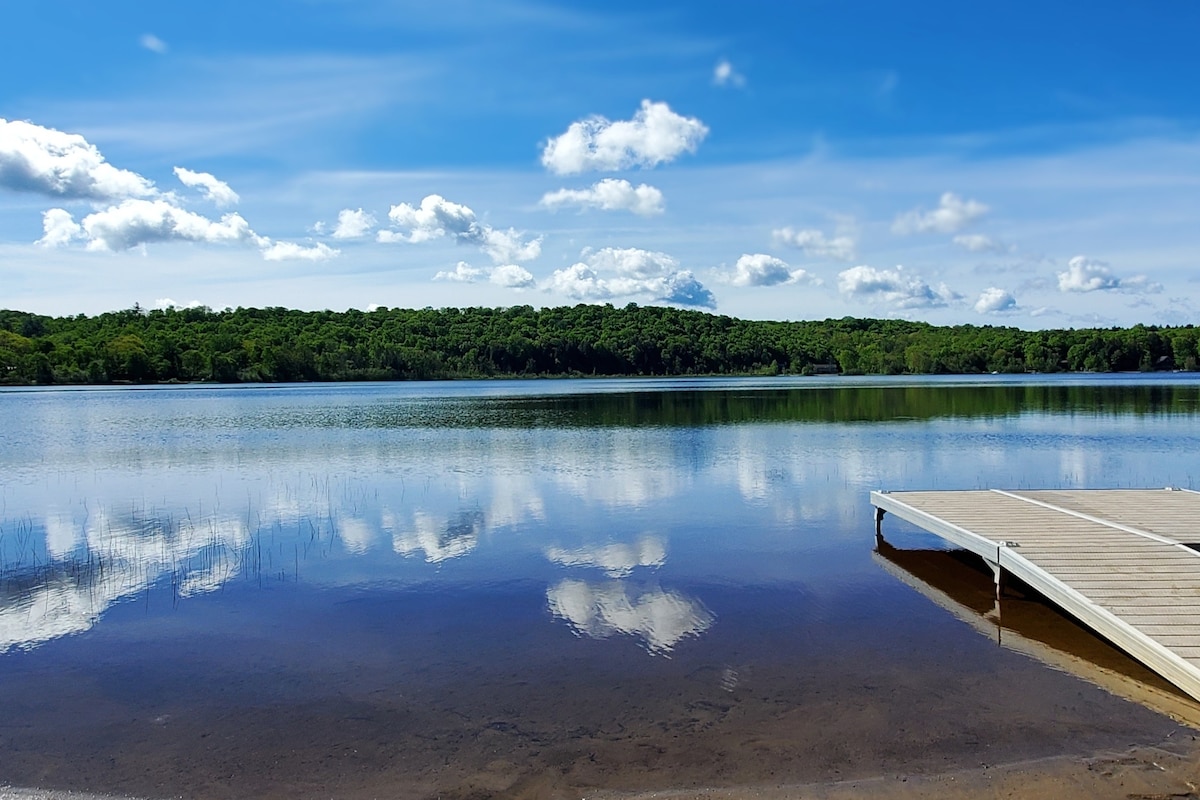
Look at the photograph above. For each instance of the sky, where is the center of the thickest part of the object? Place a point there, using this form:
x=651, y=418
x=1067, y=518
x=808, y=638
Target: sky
x=1033, y=165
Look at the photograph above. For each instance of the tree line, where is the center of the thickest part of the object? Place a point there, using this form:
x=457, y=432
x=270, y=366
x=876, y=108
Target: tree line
x=284, y=345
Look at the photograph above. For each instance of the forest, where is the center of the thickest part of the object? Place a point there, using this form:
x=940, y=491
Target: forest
x=283, y=345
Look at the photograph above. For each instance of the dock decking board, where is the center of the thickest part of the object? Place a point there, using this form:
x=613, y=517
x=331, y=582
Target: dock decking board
x=1116, y=559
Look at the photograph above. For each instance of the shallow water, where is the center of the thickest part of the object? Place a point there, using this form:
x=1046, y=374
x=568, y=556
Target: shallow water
x=530, y=587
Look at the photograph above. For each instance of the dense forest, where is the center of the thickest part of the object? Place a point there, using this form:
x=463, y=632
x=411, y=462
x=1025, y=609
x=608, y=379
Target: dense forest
x=278, y=344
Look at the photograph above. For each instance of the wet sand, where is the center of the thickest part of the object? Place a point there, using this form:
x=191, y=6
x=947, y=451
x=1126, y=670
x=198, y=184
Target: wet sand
x=1168, y=771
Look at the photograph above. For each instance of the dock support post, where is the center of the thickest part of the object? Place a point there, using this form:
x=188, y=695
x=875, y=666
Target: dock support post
x=997, y=572
x=879, y=512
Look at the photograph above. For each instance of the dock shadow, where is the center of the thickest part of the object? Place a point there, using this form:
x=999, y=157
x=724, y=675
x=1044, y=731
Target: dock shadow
x=1023, y=621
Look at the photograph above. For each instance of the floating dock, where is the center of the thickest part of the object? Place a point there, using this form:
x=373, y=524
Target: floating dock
x=1124, y=562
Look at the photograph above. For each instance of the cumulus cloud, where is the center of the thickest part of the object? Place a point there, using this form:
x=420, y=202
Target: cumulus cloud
x=995, y=301
x=978, y=243
x=50, y=162
x=135, y=222
x=510, y=276
x=153, y=43
x=610, y=194
x=952, y=215
x=166, y=302
x=353, y=224
x=1086, y=275
x=290, y=251
x=893, y=287
x=434, y=218
x=614, y=273
x=725, y=75
x=579, y=282
x=815, y=243
x=59, y=227
x=760, y=269
x=215, y=190
x=655, y=135
x=507, y=245
x=462, y=273
x=437, y=217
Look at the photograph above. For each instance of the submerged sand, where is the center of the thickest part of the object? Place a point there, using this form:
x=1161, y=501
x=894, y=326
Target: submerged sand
x=1167, y=771
x=809, y=715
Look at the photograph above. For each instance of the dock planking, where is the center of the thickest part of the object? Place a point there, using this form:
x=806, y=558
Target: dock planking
x=1124, y=562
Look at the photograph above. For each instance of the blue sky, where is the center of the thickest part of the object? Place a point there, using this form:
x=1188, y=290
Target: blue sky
x=1030, y=165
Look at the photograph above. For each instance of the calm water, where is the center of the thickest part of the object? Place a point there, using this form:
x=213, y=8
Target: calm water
x=523, y=588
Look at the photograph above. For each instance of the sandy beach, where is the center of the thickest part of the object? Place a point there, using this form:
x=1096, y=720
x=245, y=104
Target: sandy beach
x=1168, y=771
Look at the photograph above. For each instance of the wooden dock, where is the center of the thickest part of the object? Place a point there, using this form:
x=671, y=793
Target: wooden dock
x=1122, y=561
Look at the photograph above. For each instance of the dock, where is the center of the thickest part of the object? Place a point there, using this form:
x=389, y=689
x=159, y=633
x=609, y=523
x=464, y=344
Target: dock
x=1124, y=562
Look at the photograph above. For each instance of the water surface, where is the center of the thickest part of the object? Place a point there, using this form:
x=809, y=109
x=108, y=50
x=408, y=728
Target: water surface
x=506, y=588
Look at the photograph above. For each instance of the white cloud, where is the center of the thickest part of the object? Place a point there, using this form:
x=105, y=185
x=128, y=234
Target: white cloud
x=655, y=135
x=725, y=75
x=215, y=190
x=50, y=162
x=506, y=246
x=59, y=227
x=978, y=243
x=137, y=222
x=579, y=282
x=1086, y=275
x=610, y=194
x=434, y=218
x=814, y=243
x=353, y=224
x=629, y=272
x=511, y=276
x=952, y=215
x=760, y=269
x=462, y=273
x=290, y=251
x=153, y=43
x=437, y=217
x=995, y=301
x=893, y=287
x=166, y=302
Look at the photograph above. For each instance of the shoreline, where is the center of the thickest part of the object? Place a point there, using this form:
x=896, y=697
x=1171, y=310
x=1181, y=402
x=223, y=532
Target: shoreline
x=1169, y=769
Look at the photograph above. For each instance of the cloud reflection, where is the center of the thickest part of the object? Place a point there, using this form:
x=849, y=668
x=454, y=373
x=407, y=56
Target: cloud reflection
x=39, y=603
x=617, y=559
x=659, y=619
x=437, y=540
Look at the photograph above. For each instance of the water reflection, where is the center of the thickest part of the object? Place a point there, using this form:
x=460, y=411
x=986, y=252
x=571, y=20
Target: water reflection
x=474, y=574
x=434, y=538
x=777, y=401
x=1023, y=621
x=60, y=578
x=617, y=559
x=105, y=559
x=659, y=619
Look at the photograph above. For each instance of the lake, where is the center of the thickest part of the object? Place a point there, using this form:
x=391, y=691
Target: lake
x=512, y=588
